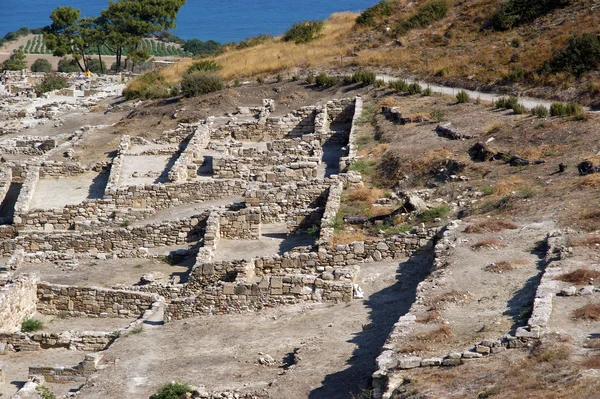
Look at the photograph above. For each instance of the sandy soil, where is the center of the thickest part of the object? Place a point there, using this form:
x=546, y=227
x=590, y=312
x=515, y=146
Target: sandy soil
x=57, y=193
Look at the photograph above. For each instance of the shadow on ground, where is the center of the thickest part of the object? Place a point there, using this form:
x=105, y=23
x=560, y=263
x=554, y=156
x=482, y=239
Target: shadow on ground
x=386, y=307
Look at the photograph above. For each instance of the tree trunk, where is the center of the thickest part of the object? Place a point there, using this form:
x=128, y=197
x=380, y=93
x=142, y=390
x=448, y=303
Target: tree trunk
x=100, y=58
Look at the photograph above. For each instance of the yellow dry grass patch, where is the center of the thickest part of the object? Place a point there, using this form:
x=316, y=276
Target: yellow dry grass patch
x=277, y=55
x=588, y=181
x=508, y=185
x=347, y=237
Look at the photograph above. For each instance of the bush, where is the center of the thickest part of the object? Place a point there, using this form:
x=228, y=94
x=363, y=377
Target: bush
x=96, y=67
x=427, y=92
x=41, y=65
x=414, y=88
x=253, y=41
x=399, y=85
x=11, y=36
x=68, y=66
x=310, y=78
x=437, y=115
x=16, y=62
x=558, y=109
x=206, y=66
x=580, y=54
x=540, y=111
x=518, y=12
x=366, y=78
x=303, y=32
x=430, y=215
x=200, y=82
x=324, y=80
x=24, y=31
x=31, y=325
x=260, y=80
x=519, y=108
x=148, y=85
x=506, y=102
x=382, y=9
x=174, y=390
x=431, y=11
x=51, y=82
x=462, y=97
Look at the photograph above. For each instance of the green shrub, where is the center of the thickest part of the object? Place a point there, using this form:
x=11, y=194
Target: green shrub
x=518, y=12
x=295, y=78
x=310, y=78
x=260, y=80
x=24, y=31
x=580, y=54
x=324, y=80
x=506, y=102
x=380, y=83
x=519, y=108
x=414, y=88
x=427, y=92
x=431, y=11
x=382, y=9
x=366, y=168
x=399, y=85
x=303, y=32
x=237, y=83
x=150, y=85
x=174, y=390
x=279, y=78
x=51, y=82
x=16, y=62
x=45, y=392
x=462, y=97
x=11, y=36
x=437, y=115
x=540, y=111
x=516, y=74
x=41, y=65
x=430, y=215
x=558, y=109
x=314, y=231
x=200, y=82
x=204, y=65
x=253, y=41
x=31, y=325
x=68, y=66
x=365, y=77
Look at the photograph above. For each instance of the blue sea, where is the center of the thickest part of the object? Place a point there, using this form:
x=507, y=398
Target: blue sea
x=223, y=21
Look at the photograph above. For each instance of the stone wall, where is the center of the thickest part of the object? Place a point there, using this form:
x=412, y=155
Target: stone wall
x=277, y=202
x=90, y=341
x=117, y=165
x=186, y=165
x=350, y=157
x=58, y=374
x=341, y=110
x=5, y=181
x=243, y=224
x=120, y=240
x=17, y=301
x=27, y=190
x=54, y=169
x=266, y=168
x=92, y=301
x=334, y=197
x=300, y=220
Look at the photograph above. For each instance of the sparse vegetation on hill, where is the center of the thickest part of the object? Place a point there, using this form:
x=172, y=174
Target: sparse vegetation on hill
x=303, y=32
x=518, y=12
x=432, y=11
x=369, y=16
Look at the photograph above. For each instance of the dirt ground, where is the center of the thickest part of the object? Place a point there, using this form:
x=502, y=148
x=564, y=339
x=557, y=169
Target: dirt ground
x=57, y=193
x=337, y=344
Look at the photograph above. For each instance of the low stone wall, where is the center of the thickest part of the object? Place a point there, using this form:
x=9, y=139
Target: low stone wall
x=92, y=301
x=5, y=181
x=243, y=224
x=350, y=158
x=186, y=165
x=302, y=219
x=295, y=167
x=334, y=197
x=90, y=341
x=58, y=374
x=27, y=190
x=277, y=202
x=177, y=232
x=117, y=165
x=54, y=169
x=341, y=110
x=17, y=301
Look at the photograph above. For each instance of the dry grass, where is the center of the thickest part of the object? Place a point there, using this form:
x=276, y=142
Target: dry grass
x=490, y=226
x=275, y=55
x=431, y=315
x=364, y=194
x=588, y=181
x=500, y=267
x=488, y=243
x=508, y=185
x=592, y=361
x=580, y=276
x=347, y=237
x=590, y=240
x=593, y=343
x=382, y=210
x=440, y=334
x=439, y=302
x=414, y=347
x=591, y=311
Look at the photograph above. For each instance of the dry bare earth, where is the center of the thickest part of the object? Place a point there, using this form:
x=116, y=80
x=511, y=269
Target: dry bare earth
x=337, y=344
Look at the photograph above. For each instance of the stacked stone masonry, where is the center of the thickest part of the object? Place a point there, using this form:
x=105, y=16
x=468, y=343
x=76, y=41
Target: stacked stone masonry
x=17, y=301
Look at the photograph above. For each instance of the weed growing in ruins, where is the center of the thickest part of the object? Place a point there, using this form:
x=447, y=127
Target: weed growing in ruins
x=462, y=97
x=137, y=330
x=437, y=115
x=366, y=168
x=138, y=266
x=45, y=392
x=580, y=276
x=172, y=390
x=31, y=325
x=430, y=215
x=540, y=111
x=314, y=230
x=125, y=223
x=591, y=311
